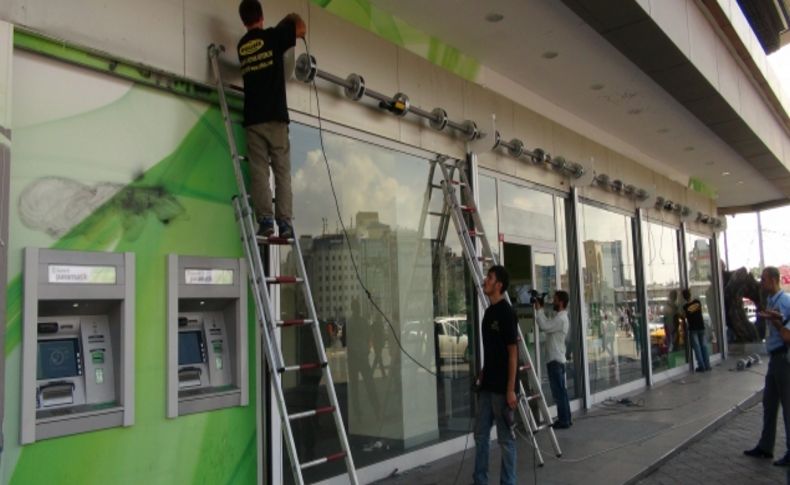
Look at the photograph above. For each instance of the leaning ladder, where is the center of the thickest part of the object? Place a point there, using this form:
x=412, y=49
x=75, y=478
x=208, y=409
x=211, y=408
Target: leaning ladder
x=265, y=312
x=456, y=210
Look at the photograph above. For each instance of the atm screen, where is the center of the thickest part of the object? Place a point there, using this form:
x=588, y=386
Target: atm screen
x=190, y=347
x=58, y=358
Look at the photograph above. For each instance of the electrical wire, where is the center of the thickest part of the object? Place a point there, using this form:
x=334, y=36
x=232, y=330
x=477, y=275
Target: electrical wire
x=365, y=289
x=356, y=268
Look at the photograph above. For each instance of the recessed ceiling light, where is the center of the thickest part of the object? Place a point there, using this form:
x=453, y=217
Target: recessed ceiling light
x=689, y=149
x=740, y=182
x=724, y=174
x=494, y=17
x=663, y=130
x=634, y=111
x=596, y=86
x=549, y=55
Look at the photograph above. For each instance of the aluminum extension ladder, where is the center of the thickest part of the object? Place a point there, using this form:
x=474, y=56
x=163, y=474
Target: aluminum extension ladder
x=453, y=208
x=265, y=311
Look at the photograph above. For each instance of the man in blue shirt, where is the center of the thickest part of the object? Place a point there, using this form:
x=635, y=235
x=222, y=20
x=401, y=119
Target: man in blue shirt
x=777, y=380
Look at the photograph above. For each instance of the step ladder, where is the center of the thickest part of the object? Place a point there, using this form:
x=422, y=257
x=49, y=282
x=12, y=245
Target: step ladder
x=266, y=318
x=459, y=206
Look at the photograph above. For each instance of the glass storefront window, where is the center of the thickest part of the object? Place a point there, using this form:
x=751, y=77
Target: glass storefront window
x=526, y=213
x=532, y=223
x=488, y=211
x=700, y=277
x=390, y=402
x=666, y=325
x=613, y=344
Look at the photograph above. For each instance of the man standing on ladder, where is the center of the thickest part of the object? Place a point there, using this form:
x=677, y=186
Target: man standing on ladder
x=556, y=330
x=496, y=400
x=266, y=113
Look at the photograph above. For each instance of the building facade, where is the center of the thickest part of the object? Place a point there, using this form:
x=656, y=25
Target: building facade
x=656, y=117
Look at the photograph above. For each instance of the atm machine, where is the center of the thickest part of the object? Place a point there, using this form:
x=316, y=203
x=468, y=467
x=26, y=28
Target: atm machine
x=207, y=334
x=77, y=343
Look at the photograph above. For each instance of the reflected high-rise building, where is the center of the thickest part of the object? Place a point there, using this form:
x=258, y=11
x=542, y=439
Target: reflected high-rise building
x=699, y=261
x=605, y=266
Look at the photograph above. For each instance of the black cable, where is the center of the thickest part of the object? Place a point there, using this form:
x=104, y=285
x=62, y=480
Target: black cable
x=348, y=240
x=463, y=455
x=356, y=269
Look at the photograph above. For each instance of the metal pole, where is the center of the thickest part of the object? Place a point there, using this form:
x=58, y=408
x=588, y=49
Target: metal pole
x=760, y=240
x=575, y=250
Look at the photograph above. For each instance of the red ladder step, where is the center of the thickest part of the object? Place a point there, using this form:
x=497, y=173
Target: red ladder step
x=274, y=240
x=337, y=456
x=306, y=366
x=294, y=322
x=313, y=412
x=278, y=280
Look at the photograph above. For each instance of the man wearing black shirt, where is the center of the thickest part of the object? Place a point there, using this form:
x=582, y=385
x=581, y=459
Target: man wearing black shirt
x=496, y=400
x=696, y=325
x=266, y=112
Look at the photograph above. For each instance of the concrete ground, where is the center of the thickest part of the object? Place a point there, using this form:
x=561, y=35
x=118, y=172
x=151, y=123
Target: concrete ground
x=718, y=457
x=616, y=443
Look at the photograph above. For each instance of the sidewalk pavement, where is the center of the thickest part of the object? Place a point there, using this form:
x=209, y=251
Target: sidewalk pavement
x=614, y=443
x=718, y=457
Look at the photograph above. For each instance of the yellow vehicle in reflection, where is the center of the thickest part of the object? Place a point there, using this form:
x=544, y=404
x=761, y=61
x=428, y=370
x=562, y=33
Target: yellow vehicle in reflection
x=657, y=335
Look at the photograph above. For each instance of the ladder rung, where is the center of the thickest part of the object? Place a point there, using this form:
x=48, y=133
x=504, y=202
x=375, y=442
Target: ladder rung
x=307, y=366
x=314, y=412
x=542, y=427
x=295, y=322
x=276, y=280
x=524, y=367
x=474, y=233
x=468, y=209
x=484, y=258
x=326, y=459
x=274, y=240
x=436, y=186
x=533, y=397
x=438, y=214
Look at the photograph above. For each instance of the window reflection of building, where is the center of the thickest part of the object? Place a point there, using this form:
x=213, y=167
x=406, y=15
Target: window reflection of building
x=700, y=277
x=699, y=261
x=613, y=329
x=414, y=283
x=666, y=325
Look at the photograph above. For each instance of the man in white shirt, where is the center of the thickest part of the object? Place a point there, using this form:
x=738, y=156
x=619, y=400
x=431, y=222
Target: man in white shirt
x=556, y=329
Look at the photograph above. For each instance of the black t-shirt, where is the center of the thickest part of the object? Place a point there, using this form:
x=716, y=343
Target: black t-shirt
x=500, y=329
x=261, y=56
x=693, y=310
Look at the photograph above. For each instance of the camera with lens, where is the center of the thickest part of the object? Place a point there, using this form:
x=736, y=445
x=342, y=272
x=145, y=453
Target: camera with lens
x=536, y=297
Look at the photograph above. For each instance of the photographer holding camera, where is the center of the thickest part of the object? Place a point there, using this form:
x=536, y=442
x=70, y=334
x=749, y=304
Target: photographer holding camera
x=556, y=329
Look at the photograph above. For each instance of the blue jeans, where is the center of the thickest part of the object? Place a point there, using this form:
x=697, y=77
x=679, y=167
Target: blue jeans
x=490, y=407
x=700, y=349
x=559, y=392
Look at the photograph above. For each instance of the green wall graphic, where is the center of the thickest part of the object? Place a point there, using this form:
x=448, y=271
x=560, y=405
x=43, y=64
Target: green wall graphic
x=393, y=29
x=177, y=204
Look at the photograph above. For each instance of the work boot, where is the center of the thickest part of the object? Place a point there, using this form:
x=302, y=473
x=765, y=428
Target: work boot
x=285, y=227
x=266, y=227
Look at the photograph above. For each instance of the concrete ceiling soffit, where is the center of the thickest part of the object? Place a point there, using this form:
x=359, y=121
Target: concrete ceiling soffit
x=627, y=27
